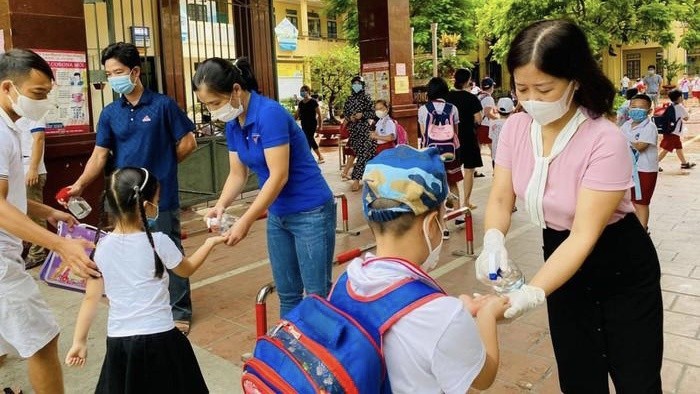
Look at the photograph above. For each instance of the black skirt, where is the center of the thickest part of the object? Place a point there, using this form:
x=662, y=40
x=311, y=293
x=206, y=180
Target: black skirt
x=155, y=363
x=608, y=318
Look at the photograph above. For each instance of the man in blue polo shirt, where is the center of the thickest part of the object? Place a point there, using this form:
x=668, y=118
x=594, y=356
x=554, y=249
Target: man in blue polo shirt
x=144, y=129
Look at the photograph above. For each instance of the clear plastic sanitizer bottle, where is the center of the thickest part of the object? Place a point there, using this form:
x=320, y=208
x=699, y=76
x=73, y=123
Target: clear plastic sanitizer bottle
x=504, y=281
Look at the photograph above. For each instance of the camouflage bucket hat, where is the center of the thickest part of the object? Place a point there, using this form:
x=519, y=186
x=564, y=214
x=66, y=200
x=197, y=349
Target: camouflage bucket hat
x=414, y=178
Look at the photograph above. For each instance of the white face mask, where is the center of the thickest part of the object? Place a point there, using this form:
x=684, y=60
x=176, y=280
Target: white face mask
x=380, y=114
x=30, y=108
x=546, y=112
x=227, y=113
x=434, y=255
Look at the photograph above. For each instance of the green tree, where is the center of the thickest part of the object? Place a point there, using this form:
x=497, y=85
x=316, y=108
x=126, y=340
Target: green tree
x=332, y=71
x=452, y=16
x=606, y=22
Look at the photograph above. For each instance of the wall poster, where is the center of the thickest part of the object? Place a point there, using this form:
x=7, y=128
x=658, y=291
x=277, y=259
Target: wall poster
x=69, y=93
x=376, y=76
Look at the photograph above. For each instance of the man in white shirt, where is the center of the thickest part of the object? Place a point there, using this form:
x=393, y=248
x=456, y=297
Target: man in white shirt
x=624, y=85
x=27, y=326
x=438, y=346
x=33, y=134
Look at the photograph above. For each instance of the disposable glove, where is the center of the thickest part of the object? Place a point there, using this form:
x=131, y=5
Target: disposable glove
x=524, y=299
x=493, y=256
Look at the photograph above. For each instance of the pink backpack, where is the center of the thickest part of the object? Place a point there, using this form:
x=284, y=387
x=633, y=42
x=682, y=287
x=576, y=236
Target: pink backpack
x=401, y=135
x=440, y=132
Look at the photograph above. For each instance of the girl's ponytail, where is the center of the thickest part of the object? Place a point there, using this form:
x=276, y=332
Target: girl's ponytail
x=142, y=210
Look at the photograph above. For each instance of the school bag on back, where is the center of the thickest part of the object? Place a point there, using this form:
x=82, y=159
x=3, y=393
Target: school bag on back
x=334, y=345
x=401, y=134
x=440, y=131
x=666, y=122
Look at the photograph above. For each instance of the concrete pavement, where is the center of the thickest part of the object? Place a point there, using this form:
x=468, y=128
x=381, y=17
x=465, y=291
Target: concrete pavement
x=224, y=291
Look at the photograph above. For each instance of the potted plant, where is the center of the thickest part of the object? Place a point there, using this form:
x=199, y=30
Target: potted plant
x=449, y=43
x=670, y=70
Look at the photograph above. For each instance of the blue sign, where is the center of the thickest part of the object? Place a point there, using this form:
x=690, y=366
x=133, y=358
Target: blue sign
x=287, y=35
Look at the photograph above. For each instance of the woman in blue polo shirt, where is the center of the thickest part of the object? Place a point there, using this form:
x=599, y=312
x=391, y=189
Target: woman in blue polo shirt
x=264, y=137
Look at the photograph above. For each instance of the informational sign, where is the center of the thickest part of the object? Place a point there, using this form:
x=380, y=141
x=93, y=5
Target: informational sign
x=287, y=35
x=401, y=85
x=141, y=36
x=400, y=69
x=69, y=93
x=377, y=83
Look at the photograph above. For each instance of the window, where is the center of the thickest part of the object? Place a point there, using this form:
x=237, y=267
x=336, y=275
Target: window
x=332, y=27
x=633, y=65
x=221, y=11
x=197, y=12
x=292, y=16
x=314, y=24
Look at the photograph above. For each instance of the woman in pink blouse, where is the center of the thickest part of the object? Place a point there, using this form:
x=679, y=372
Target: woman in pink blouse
x=572, y=168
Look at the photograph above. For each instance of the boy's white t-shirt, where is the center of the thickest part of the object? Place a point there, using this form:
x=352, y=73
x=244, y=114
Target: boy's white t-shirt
x=681, y=113
x=385, y=127
x=494, y=133
x=29, y=127
x=486, y=101
x=644, y=132
x=139, y=302
x=435, y=348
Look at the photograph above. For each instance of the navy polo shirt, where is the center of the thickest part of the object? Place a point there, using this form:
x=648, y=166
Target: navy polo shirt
x=269, y=125
x=145, y=135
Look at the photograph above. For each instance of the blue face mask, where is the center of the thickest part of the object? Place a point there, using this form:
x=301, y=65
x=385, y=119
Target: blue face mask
x=122, y=84
x=152, y=221
x=302, y=94
x=356, y=87
x=638, y=114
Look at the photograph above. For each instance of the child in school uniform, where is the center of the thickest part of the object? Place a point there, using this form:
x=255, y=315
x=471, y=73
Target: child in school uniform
x=384, y=133
x=672, y=141
x=505, y=107
x=146, y=353
x=642, y=135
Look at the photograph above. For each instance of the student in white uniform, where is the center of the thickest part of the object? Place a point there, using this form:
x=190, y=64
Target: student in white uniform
x=33, y=135
x=447, y=344
x=145, y=352
x=384, y=133
x=27, y=326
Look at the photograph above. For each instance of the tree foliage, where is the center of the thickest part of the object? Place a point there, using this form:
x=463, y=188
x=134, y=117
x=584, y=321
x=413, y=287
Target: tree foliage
x=606, y=22
x=452, y=16
x=332, y=71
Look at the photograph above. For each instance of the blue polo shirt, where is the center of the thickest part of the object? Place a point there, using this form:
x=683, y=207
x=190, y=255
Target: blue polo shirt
x=269, y=125
x=145, y=135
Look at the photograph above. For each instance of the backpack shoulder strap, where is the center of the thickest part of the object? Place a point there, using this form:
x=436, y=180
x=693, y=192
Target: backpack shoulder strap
x=379, y=312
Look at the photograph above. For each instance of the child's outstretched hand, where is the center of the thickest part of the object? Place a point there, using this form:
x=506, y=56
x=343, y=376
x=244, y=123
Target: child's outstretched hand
x=216, y=240
x=77, y=355
x=490, y=303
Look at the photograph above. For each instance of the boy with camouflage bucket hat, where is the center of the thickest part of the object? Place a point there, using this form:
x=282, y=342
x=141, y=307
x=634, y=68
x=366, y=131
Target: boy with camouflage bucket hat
x=436, y=347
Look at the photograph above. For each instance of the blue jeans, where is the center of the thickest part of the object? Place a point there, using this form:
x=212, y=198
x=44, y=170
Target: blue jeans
x=301, y=248
x=168, y=223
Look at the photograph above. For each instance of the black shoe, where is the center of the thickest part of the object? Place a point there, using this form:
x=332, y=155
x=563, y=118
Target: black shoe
x=661, y=169
x=687, y=165
x=459, y=222
x=478, y=175
x=446, y=234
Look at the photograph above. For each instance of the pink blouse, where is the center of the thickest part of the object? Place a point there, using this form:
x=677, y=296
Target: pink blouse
x=597, y=158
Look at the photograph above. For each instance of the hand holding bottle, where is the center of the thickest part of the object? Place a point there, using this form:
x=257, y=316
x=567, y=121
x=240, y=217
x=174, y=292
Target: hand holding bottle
x=493, y=257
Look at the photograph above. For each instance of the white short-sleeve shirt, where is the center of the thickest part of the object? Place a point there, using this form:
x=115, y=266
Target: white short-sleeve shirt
x=139, y=302
x=434, y=349
x=681, y=113
x=487, y=101
x=29, y=127
x=439, y=107
x=644, y=132
x=385, y=127
x=11, y=171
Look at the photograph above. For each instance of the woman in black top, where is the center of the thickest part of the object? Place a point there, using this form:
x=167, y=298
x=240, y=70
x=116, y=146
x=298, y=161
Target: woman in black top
x=358, y=110
x=310, y=114
x=469, y=109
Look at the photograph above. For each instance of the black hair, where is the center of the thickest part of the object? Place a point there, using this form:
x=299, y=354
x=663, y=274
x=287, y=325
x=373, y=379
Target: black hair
x=631, y=92
x=125, y=193
x=124, y=52
x=642, y=97
x=560, y=48
x=305, y=88
x=16, y=64
x=219, y=75
x=462, y=76
x=651, y=66
x=386, y=104
x=437, y=89
x=674, y=95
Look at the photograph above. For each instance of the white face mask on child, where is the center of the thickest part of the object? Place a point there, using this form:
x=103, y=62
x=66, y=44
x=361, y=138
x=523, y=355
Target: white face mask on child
x=434, y=254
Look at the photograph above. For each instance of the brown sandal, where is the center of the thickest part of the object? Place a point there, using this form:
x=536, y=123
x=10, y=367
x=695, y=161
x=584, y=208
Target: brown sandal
x=183, y=326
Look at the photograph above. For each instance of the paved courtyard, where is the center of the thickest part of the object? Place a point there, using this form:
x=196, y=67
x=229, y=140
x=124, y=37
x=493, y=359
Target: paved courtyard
x=224, y=289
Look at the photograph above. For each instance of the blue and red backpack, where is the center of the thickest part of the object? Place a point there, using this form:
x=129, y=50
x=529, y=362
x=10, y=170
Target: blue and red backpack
x=334, y=345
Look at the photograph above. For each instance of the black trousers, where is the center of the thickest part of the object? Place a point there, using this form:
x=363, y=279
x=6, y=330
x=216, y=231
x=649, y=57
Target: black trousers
x=310, y=133
x=608, y=318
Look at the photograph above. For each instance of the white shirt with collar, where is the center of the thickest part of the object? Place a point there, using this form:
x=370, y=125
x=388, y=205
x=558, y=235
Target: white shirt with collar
x=29, y=127
x=433, y=349
x=11, y=171
x=645, y=131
